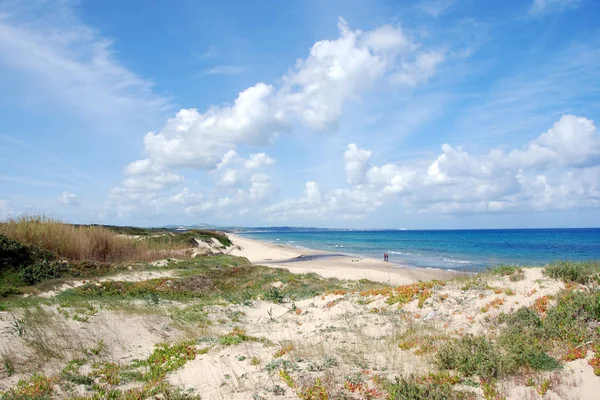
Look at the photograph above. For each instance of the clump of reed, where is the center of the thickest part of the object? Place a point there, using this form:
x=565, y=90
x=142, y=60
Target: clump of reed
x=80, y=242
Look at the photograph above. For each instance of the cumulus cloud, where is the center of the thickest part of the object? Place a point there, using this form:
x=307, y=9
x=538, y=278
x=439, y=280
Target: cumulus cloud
x=69, y=199
x=559, y=169
x=338, y=204
x=421, y=69
x=235, y=170
x=313, y=93
x=356, y=164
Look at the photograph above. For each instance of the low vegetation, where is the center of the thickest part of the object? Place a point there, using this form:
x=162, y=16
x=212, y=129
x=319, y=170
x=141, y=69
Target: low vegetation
x=575, y=272
x=276, y=332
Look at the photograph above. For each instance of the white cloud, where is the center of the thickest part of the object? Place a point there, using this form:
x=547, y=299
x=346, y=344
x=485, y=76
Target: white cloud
x=313, y=93
x=560, y=169
x=69, y=199
x=197, y=140
x=356, y=164
x=545, y=6
x=142, y=167
x=421, y=69
x=187, y=198
x=235, y=170
x=339, y=204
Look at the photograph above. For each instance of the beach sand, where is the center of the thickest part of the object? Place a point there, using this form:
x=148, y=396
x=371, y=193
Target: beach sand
x=328, y=265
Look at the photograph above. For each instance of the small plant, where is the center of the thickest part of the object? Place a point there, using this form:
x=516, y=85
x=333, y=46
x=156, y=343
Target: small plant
x=544, y=386
x=9, y=369
x=330, y=362
x=490, y=392
x=238, y=335
x=152, y=300
x=575, y=353
x=81, y=318
x=255, y=360
x=315, y=391
x=286, y=348
x=275, y=295
x=18, y=327
x=100, y=347
x=423, y=296
x=285, y=376
x=496, y=303
x=541, y=304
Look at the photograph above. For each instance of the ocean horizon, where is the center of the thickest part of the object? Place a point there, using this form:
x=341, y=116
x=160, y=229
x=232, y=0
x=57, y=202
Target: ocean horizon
x=469, y=250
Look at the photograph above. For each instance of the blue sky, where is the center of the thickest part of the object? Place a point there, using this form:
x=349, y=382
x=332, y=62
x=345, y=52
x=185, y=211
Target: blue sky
x=364, y=114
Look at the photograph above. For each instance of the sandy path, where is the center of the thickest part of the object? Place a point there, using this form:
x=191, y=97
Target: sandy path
x=341, y=267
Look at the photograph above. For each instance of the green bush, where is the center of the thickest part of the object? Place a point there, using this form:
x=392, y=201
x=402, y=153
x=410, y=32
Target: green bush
x=579, y=272
x=12, y=254
x=473, y=355
x=412, y=389
x=40, y=271
x=574, y=316
x=505, y=270
x=6, y=291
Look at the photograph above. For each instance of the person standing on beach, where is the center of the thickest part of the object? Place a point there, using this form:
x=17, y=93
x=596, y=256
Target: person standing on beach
x=385, y=256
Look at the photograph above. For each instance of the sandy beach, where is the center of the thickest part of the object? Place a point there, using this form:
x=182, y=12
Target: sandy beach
x=328, y=265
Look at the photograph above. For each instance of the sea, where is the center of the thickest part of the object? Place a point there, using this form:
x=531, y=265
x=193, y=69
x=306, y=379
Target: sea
x=458, y=250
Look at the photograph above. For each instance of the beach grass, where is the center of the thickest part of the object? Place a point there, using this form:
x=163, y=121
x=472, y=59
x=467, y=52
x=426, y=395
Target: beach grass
x=73, y=242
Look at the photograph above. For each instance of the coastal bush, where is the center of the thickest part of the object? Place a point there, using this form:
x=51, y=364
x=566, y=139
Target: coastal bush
x=40, y=271
x=575, y=317
x=415, y=389
x=12, y=253
x=504, y=270
x=473, y=355
x=578, y=272
x=515, y=273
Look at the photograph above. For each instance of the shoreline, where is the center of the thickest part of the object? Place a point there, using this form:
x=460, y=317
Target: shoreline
x=332, y=265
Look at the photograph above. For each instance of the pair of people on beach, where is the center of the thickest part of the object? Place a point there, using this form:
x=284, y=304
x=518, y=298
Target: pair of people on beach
x=385, y=257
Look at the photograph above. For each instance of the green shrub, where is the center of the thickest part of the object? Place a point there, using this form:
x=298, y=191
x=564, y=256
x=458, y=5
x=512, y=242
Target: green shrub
x=505, y=270
x=522, y=319
x=412, y=389
x=40, y=271
x=574, y=316
x=6, y=291
x=579, y=272
x=526, y=349
x=12, y=254
x=473, y=355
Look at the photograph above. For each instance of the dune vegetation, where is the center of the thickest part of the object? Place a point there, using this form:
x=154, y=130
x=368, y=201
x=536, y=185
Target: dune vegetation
x=98, y=319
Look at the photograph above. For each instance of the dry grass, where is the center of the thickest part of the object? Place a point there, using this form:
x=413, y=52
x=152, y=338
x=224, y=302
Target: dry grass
x=81, y=242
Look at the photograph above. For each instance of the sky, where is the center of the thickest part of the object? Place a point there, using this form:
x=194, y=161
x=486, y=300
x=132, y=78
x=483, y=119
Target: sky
x=408, y=114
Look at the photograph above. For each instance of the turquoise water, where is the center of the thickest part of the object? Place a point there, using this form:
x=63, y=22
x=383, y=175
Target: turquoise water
x=461, y=250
